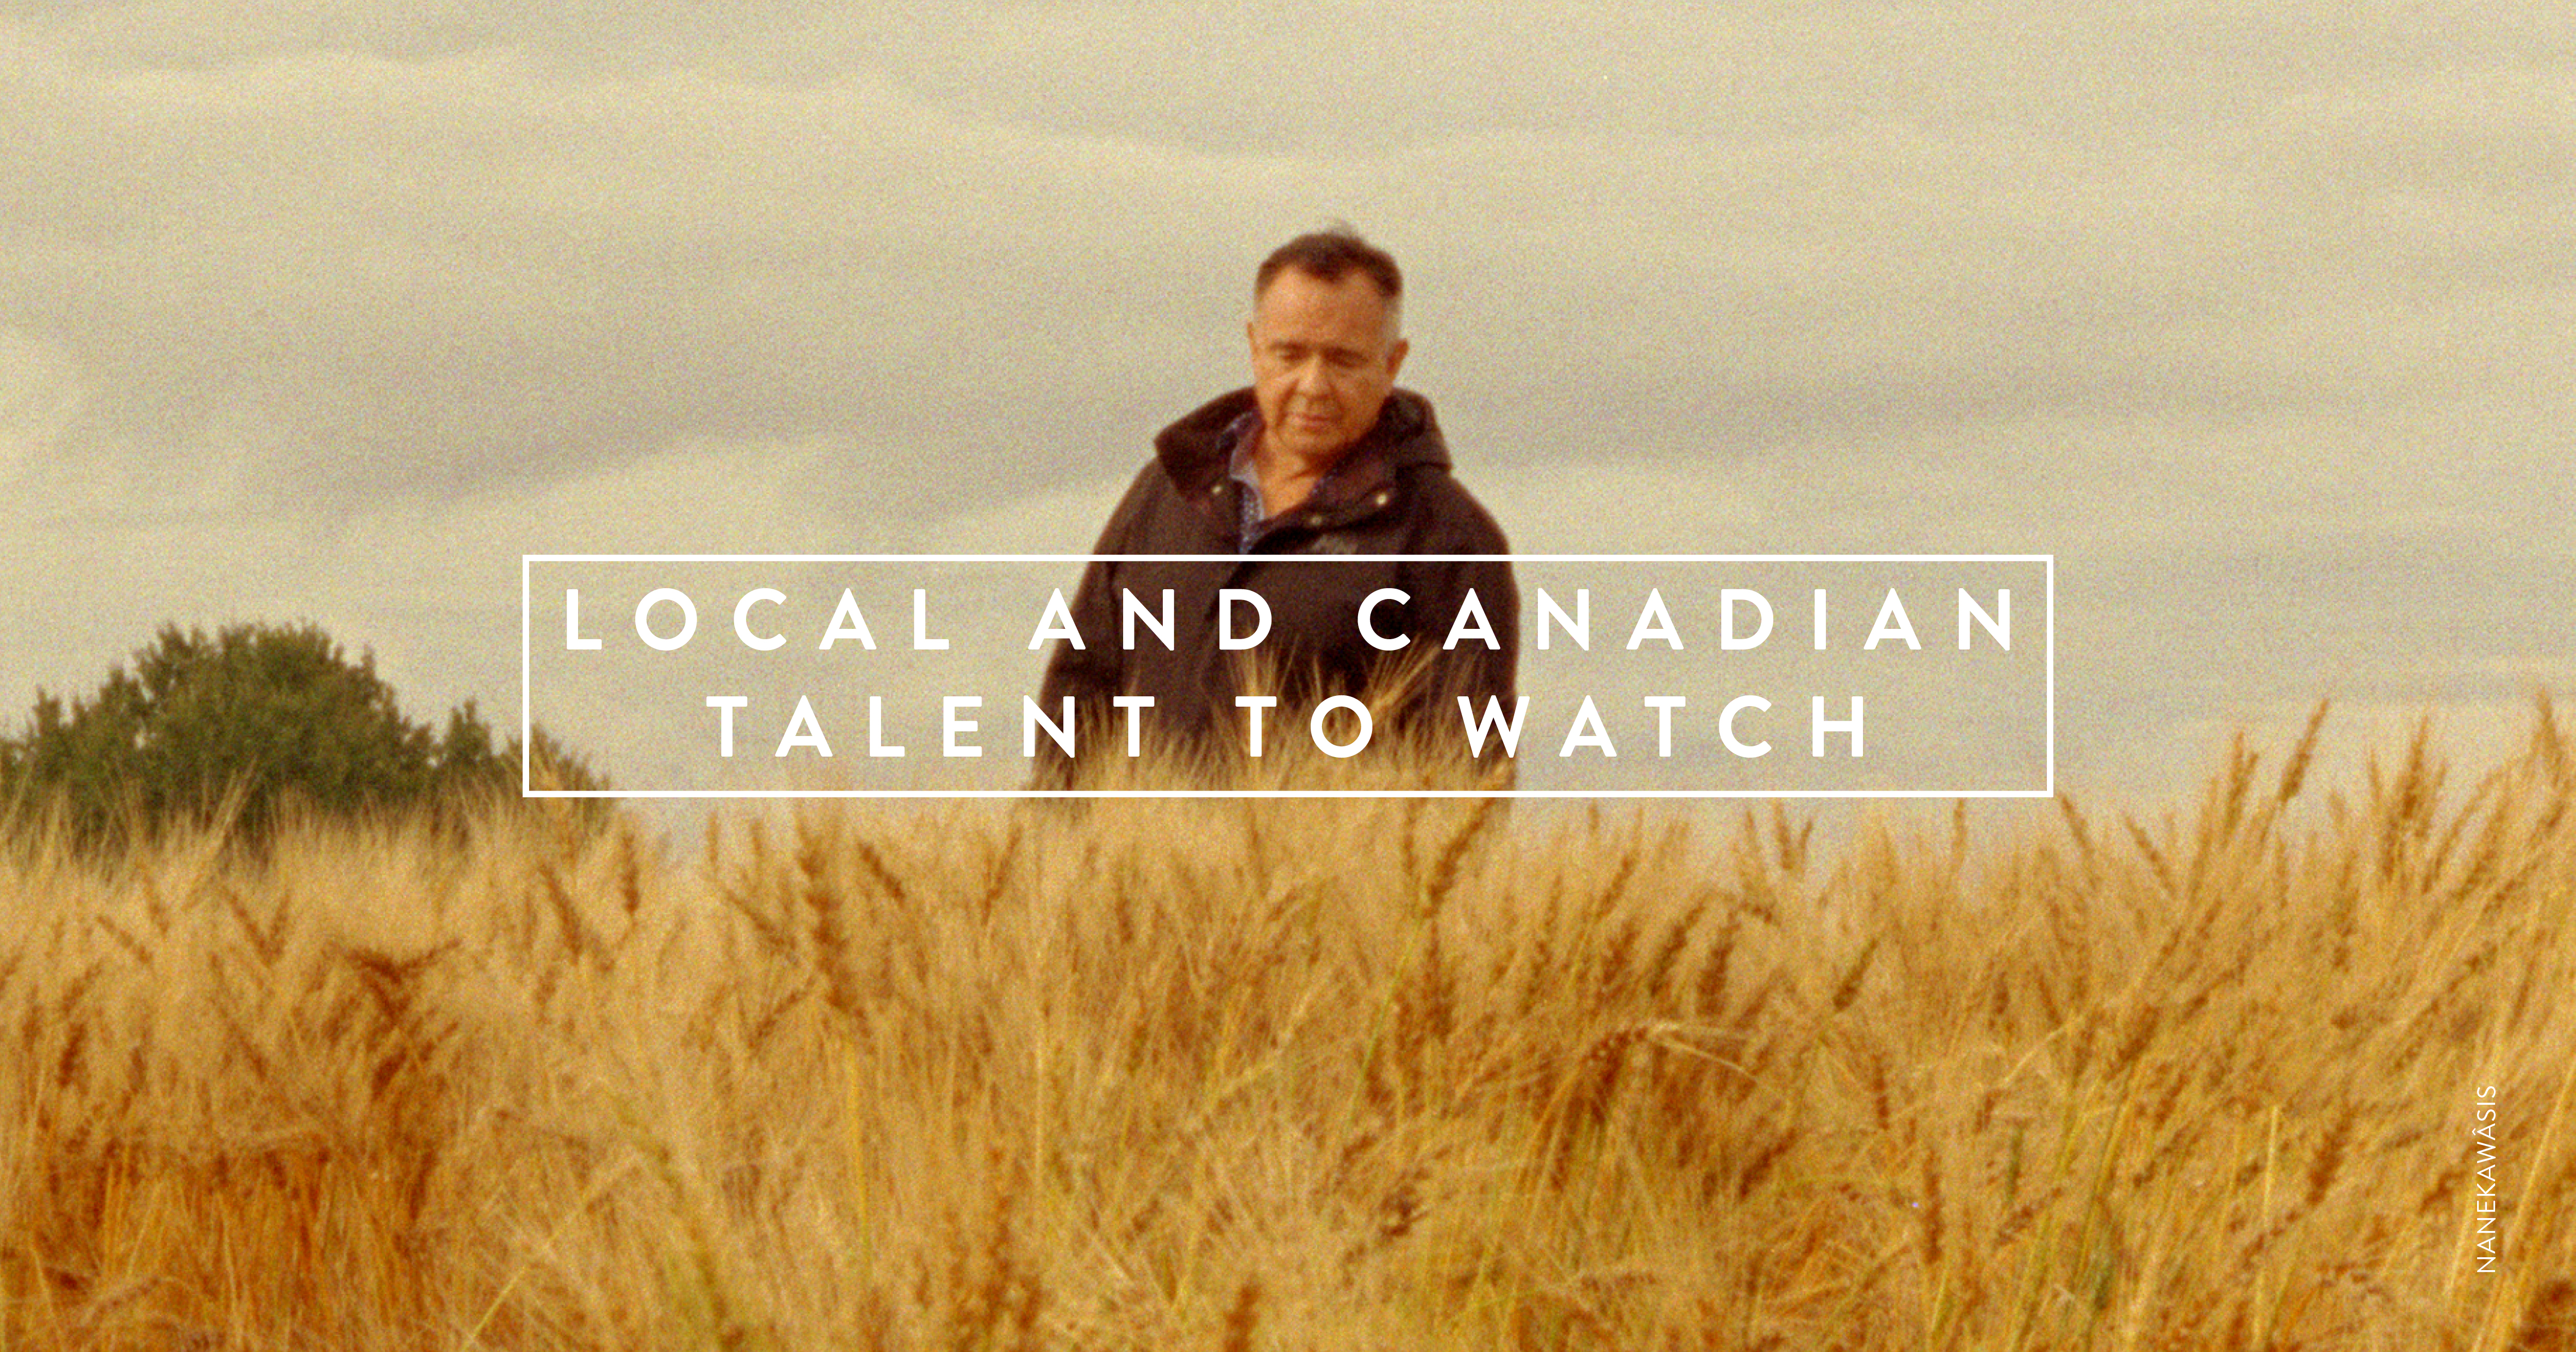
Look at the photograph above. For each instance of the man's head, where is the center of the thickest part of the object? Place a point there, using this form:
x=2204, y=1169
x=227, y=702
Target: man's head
x=1325, y=344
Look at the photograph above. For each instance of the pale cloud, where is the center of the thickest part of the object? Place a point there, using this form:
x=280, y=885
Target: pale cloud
x=366, y=260
x=336, y=309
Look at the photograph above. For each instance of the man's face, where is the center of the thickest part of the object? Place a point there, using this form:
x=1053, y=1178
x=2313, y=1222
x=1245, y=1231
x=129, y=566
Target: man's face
x=1324, y=356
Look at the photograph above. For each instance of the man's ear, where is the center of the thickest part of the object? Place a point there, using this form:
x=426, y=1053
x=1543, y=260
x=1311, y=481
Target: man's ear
x=1251, y=341
x=1395, y=356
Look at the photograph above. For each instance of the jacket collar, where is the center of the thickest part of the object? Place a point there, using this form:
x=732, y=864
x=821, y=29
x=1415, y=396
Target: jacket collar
x=1194, y=450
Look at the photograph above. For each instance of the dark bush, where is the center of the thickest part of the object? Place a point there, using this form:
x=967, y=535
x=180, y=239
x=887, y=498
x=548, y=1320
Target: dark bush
x=244, y=728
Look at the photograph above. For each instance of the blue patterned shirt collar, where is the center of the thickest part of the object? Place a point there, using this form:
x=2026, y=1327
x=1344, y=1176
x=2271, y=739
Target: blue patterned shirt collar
x=1246, y=432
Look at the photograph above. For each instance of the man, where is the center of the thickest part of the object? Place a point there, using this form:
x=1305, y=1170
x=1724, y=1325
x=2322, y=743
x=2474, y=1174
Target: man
x=1322, y=456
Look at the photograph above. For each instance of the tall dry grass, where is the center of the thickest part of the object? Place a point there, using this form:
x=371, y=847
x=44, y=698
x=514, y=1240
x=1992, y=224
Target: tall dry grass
x=1294, y=1074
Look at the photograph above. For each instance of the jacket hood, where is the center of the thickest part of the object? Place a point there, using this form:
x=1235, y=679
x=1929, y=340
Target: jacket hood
x=1194, y=450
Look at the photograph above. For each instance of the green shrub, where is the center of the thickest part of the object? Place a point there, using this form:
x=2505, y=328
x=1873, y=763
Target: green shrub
x=242, y=728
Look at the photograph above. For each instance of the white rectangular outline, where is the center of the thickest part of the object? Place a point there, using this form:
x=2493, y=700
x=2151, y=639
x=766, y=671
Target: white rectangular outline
x=526, y=721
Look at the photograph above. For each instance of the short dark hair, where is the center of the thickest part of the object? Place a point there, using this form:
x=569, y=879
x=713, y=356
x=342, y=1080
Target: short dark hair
x=1330, y=254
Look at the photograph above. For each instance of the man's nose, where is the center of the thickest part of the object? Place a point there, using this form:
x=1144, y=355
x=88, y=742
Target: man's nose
x=1308, y=378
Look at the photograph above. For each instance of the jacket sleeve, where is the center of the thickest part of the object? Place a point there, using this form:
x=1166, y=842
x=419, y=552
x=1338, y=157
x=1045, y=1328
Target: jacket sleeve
x=1472, y=669
x=1096, y=671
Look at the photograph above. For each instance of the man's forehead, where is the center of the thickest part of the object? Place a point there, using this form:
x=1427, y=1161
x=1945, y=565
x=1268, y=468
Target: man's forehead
x=1297, y=302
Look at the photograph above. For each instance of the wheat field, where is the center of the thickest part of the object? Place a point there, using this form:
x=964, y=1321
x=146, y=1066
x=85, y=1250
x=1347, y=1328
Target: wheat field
x=1281, y=1074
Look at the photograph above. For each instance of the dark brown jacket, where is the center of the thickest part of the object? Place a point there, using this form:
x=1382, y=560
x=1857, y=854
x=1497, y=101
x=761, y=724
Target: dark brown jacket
x=1392, y=495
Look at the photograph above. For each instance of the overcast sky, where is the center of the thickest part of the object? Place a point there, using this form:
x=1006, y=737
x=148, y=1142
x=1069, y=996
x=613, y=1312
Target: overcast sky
x=2262, y=318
